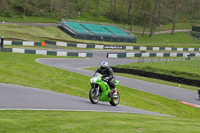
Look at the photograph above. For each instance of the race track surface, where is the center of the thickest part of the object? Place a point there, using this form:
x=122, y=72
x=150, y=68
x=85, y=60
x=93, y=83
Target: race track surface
x=77, y=65
x=20, y=97
x=15, y=97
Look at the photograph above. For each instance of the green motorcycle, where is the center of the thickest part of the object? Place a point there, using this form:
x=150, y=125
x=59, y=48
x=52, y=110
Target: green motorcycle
x=100, y=91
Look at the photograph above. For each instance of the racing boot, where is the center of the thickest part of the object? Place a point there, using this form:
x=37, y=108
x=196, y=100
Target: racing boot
x=115, y=93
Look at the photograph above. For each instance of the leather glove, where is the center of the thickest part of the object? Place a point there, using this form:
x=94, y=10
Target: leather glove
x=105, y=79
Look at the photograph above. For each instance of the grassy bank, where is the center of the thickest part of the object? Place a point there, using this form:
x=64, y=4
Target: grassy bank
x=98, y=19
x=27, y=47
x=19, y=32
x=22, y=69
x=151, y=80
x=28, y=19
x=90, y=122
x=180, y=39
x=181, y=68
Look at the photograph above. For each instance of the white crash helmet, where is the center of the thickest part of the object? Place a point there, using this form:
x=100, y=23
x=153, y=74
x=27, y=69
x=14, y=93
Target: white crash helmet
x=104, y=65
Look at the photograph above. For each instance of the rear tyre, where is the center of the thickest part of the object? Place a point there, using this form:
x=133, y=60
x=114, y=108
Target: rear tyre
x=92, y=95
x=115, y=101
x=199, y=92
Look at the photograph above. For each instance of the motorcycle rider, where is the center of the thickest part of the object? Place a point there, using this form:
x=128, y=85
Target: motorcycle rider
x=108, y=77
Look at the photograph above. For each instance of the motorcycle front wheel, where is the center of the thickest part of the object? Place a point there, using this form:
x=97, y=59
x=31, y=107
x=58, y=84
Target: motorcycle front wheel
x=92, y=95
x=115, y=101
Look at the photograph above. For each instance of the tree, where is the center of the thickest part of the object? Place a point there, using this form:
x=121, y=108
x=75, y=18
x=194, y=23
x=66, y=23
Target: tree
x=194, y=8
x=3, y=5
x=85, y=4
x=51, y=6
x=97, y=5
x=145, y=14
x=146, y=18
x=25, y=7
x=114, y=9
x=157, y=14
x=62, y=8
x=175, y=7
x=138, y=5
x=130, y=5
x=111, y=7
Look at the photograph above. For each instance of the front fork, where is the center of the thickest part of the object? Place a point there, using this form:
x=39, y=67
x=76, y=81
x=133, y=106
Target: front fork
x=96, y=90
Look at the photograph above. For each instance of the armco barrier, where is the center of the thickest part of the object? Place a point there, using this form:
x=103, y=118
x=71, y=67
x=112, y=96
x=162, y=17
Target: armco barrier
x=24, y=43
x=170, y=78
x=46, y=52
x=121, y=47
x=130, y=55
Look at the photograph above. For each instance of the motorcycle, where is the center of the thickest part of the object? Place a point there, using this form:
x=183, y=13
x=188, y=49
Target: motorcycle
x=198, y=92
x=100, y=91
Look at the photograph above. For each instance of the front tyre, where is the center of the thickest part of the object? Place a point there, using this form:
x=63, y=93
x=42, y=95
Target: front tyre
x=115, y=101
x=92, y=95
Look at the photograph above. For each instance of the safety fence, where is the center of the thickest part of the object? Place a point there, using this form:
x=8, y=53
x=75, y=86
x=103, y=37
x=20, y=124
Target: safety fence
x=130, y=55
x=45, y=52
x=82, y=45
x=165, y=77
x=24, y=43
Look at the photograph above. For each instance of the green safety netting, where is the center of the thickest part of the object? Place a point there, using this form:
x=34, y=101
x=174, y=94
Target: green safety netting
x=96, y=32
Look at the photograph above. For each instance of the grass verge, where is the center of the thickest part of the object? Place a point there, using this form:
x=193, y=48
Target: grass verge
x=26, y=47
x=34, y=33
x=151, y=80
x=179, y=39
x=181, y=68
x=21, y=69
x=28, y=19
x=90, y=122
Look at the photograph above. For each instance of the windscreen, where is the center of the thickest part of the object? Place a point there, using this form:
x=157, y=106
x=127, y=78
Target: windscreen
x=97, y=74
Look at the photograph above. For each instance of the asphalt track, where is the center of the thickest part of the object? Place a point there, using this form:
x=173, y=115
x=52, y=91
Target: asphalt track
x=27, y=98
x=15, y=97
x=77, y=65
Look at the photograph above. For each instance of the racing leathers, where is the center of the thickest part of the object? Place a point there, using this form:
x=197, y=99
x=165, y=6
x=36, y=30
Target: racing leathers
x=107, y=76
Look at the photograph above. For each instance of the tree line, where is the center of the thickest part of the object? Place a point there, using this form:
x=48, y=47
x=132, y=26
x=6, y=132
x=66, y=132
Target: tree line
x=147, y=13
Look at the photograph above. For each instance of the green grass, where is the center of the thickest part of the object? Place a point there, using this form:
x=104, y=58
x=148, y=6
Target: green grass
x=21, y=69
x=26, y=47
x=179, y=25
x=19, y=32
x=158, y=81
x=34, y=33
x=90, y=122
x=151, y=80
x=180, y=39
x=184, y=68
x=28, y=19
x=94, y=16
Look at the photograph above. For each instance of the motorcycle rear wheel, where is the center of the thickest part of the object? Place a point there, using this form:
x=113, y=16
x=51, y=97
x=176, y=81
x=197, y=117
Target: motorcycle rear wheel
x=92, y=95
x=115, y=101
x=199, y=92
